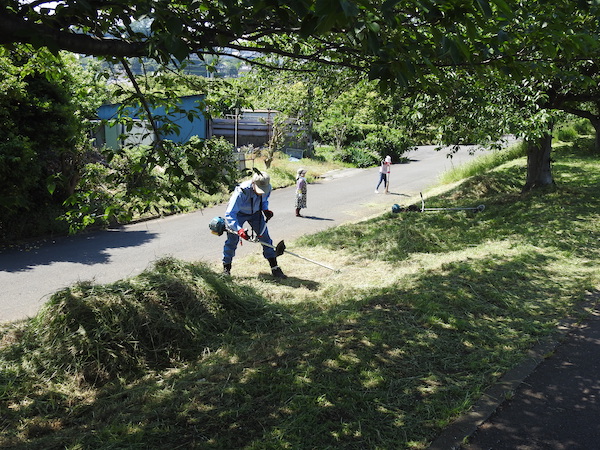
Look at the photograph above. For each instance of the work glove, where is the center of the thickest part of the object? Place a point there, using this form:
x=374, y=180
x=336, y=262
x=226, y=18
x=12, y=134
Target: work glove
x=242, y=233
x=268, y=214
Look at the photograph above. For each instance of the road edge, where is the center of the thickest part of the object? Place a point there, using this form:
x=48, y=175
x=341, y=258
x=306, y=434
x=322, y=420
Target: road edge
x=457, y=433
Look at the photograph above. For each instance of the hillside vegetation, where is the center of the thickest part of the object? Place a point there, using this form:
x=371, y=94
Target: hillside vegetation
x=426, y=311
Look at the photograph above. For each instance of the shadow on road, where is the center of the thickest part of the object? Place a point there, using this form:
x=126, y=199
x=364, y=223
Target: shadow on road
x=397, y=193
x=315, y=218
x=85, y=249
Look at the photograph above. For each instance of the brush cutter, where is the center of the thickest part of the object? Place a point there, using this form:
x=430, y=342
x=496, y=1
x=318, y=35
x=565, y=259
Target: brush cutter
x=218, y=226
x=474, y=209
x=414, y=208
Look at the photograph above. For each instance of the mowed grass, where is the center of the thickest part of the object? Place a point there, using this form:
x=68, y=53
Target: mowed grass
x=426, y=311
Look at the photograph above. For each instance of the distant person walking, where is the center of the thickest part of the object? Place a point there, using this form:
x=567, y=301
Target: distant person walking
x=384, y=174
x=300, y=191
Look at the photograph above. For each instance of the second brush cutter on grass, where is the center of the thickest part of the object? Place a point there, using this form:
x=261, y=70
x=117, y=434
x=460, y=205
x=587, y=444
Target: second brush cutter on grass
x=414, y=208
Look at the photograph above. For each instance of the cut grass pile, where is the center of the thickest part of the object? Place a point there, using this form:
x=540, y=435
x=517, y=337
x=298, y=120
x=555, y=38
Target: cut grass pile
x=121, y=330
x=428, y=310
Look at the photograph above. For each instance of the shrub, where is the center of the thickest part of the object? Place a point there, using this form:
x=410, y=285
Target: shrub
x=360, y=157
x=135, y=183
x=41, y=138
x=584, y=145
x=385, y=141
x=583, y=126
x=567, y=134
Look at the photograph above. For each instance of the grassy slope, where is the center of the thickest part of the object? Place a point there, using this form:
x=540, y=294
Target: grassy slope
x=427, y=310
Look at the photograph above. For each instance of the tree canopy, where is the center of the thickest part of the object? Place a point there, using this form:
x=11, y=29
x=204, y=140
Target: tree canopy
x=395, y=40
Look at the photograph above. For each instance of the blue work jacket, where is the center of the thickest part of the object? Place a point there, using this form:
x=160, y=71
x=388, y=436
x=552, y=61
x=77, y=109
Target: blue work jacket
x=244, y=202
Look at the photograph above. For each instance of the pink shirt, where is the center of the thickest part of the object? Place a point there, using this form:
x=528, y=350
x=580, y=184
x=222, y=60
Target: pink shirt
x=385, y=167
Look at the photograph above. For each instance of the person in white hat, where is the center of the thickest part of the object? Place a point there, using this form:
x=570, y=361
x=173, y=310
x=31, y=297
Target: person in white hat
x=300, y=191
x=250, y=203
x=384, y=173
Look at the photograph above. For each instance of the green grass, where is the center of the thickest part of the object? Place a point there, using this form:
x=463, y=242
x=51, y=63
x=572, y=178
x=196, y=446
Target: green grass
x=483, y=163
x=282, y=173
x=283, y=170
x=427, y=311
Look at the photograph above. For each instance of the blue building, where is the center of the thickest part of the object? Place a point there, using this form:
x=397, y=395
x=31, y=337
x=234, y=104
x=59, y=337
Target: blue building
x=118, y=135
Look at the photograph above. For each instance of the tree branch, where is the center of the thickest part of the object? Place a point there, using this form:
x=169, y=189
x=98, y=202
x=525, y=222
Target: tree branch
x=581, y=113
x=14, y=29
x=158, y=142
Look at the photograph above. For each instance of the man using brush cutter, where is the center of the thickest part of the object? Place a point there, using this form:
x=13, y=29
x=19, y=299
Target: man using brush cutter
x=250, y=203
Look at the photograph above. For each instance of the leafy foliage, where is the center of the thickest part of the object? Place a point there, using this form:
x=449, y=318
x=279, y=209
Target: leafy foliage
x=360, y=157
x=43, y=140
x=141, y=181
x=386, y=141
x=393, y=41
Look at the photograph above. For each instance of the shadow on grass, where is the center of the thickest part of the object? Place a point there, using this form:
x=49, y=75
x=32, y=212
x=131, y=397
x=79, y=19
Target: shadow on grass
x=558, y=217
x=292, y=281
x=387, y=368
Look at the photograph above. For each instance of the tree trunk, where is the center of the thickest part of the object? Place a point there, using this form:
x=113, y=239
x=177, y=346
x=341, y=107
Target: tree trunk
x=539, y=170
x=269, y=159
x=310, y=143
x=596, y=124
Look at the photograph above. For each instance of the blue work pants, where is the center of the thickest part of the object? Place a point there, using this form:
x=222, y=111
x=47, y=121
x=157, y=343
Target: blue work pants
x=257, y=222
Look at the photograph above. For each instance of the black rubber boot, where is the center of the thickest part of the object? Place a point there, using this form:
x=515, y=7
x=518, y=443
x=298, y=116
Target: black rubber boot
x=226, y=269
x=275, y=270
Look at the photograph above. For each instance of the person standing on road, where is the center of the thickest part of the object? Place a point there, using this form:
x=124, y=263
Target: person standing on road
x=250, y=203
x=300, y=191
x=384, y=172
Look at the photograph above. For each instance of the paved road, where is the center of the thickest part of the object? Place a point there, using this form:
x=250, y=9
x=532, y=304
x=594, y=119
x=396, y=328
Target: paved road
x=29, y=275
x=558, y=406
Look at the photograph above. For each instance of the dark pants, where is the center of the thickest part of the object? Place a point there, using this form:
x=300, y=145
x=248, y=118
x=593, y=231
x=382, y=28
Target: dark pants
x=382, y=178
